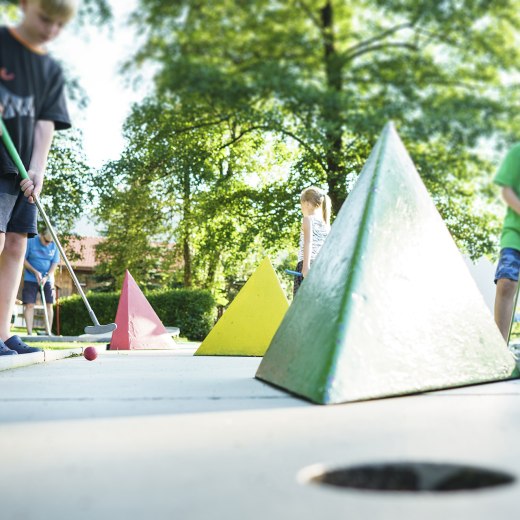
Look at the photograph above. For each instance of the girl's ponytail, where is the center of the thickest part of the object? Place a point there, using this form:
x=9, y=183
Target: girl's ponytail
x=326, y=208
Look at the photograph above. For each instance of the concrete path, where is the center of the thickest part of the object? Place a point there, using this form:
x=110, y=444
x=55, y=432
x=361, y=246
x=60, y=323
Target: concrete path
x=45, y=356
x=165, y=435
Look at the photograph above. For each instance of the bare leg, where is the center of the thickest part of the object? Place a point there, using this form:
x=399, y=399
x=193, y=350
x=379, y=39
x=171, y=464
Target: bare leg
x=28, y=312
x=11, y=266
x=50, y=314
x=504, y=303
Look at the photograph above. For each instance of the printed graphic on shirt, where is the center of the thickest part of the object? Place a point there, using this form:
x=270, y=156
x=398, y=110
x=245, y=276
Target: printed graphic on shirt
x=16, y=106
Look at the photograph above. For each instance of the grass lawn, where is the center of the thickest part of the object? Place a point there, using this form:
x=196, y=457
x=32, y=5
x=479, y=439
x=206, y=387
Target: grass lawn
x=52, y=345
x=60, y=345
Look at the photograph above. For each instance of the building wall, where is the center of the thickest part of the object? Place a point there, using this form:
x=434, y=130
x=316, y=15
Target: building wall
x=65, y=284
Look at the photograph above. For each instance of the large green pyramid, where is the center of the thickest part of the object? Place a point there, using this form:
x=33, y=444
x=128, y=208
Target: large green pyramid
x=389, y=307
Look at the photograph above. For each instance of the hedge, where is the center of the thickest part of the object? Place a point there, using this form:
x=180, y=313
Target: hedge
x=193, y=311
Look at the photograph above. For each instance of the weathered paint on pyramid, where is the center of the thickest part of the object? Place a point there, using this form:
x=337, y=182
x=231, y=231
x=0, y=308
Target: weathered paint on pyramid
x=138, y=326
x=389, y=307
x=249, y=324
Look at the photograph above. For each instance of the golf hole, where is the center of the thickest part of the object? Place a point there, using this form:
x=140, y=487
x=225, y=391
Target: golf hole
x=415, y=477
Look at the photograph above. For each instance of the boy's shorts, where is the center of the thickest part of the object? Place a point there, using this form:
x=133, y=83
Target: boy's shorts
x=508, y=264
x=17, y=214
x=31, y=289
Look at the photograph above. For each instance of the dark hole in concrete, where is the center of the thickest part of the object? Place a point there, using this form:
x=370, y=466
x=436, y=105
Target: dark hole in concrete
x=415, y=477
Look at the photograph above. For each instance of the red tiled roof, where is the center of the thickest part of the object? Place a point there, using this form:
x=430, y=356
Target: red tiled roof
x=86, y=248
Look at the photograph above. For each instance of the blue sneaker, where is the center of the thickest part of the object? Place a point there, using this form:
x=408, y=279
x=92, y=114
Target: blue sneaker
x=16, y=344
x=4, y=351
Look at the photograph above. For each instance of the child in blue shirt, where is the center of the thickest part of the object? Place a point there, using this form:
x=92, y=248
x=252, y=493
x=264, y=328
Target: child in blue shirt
x=41, y=259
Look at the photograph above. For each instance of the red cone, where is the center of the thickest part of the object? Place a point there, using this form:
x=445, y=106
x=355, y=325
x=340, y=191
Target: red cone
x=138, y=326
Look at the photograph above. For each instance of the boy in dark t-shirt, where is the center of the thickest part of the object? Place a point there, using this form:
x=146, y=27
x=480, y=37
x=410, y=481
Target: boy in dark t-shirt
x=33, y=105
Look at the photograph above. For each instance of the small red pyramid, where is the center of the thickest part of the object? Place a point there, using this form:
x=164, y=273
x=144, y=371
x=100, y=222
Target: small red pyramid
x=138, y=326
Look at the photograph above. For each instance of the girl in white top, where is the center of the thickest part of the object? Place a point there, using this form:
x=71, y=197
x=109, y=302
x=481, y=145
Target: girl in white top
x=315, y=205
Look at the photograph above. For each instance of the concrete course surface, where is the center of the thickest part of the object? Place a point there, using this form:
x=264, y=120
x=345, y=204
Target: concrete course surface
x=44, y=356
x=165, y=435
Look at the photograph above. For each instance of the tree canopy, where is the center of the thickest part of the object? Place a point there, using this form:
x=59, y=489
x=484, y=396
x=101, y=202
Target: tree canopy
x=316, y=82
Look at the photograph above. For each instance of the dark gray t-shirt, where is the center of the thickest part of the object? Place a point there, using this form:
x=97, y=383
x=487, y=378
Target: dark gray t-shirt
x=31, y=90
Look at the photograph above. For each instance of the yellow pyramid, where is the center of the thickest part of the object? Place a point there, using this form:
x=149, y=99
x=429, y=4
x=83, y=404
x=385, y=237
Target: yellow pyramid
x=248, y=325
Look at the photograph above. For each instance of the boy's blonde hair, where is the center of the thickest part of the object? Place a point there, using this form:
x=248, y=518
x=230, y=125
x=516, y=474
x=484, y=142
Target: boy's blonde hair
x=317, y=198
x=63, y=9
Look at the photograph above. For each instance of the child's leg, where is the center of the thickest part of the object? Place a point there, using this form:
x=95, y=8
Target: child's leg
x=28, y=314
x=50, y=314
x=506, y=279
x=504, y=303
x=29, y=292
x=12, y=254
x=18, y=220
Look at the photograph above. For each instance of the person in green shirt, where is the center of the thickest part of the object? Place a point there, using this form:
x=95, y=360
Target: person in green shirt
x=506, y=276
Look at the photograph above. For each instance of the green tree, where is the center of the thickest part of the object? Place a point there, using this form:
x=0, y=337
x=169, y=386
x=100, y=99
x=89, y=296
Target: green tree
x=68, y=181
x=132, y=210
x=203, y=199
x=329, y=74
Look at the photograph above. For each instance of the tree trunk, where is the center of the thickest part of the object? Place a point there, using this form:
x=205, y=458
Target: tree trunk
x=186, y=254
x=212, y=270
x=186, y=249
x=333, y=70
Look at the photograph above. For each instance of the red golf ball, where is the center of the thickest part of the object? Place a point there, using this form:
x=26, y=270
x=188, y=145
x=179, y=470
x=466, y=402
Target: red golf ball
x=90, y=353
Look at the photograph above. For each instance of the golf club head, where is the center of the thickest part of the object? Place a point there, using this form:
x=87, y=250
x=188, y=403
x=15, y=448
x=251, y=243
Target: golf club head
x=100, y=329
